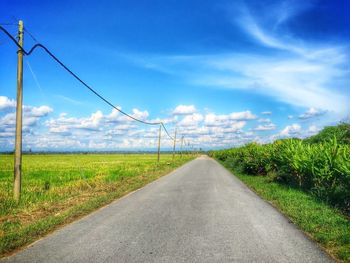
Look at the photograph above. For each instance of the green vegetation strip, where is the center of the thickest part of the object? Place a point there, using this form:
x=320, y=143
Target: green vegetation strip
x=58, y=189
x=308, y=180
x=319, y=165
x=322, y=223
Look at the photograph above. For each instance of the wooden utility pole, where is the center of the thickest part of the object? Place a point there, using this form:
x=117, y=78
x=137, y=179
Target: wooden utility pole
x=174, y=144
x=160, y=134
x=18, y=139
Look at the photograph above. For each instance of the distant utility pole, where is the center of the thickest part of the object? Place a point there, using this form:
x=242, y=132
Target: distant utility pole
x=182, y=142
x=174, y=144
x=18, y=139
x=160, y=134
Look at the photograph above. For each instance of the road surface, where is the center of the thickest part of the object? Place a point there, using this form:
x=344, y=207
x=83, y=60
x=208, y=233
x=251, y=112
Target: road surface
x=198, y=213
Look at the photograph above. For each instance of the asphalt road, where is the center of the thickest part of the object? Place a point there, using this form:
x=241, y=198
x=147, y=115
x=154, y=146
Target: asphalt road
x=199, y=213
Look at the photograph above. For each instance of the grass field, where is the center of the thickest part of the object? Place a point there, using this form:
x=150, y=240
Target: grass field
x=56, y=189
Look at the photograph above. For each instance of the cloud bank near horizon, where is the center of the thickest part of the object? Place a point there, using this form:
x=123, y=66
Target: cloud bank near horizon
x=43, y=129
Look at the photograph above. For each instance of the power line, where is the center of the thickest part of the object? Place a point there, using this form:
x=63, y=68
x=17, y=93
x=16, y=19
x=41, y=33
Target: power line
x=166, y=131
x=8, y=23
x=34, y=75
x=36, y=80
x=30, y=34
x=38, y=45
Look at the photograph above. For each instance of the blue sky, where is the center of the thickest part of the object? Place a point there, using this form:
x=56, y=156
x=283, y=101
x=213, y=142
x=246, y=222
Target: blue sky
x=224, y=72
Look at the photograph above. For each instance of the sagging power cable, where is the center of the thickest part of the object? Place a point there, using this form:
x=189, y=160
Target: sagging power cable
x=39, y=45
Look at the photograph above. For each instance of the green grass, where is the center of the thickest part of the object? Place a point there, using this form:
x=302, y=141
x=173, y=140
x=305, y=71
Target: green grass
x=56, y=189
x=326, y=225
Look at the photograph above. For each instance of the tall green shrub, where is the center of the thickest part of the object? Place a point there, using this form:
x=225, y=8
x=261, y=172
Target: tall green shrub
x=322, y=168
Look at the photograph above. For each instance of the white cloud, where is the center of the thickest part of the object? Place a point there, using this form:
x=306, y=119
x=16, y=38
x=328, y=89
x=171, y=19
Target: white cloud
x=244, y=115
x=303, y=80
x=266, y=113
x=112, y=131
x=114, y=115
x=70, y=100
x=97, y=121
x=184, y=109
x=296, y=81
x=191, y=120
x=296, y=72
x=6, y=103
x=169, y=120
x=265, y=27
x=31, y=117
x=311, y=112
x=143, y=115
x=287, y=9
x=61, y=129
x=304, y=76
x=212, y=119
x=264, y=120
x=236, y=126
x=251, y=26
x=91, y=123
x=291, y=130
x=37, y=111
x=265, y=127
x=313, y=129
